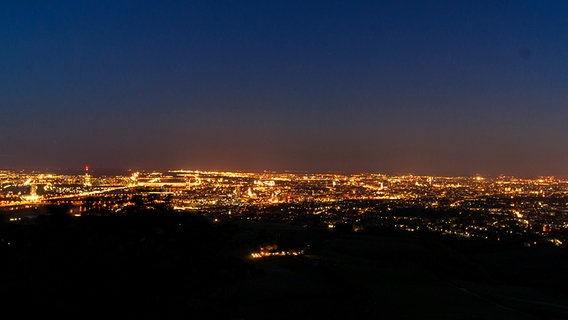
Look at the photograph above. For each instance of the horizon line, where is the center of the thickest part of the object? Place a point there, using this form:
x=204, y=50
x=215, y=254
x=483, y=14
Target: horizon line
x=261, y=171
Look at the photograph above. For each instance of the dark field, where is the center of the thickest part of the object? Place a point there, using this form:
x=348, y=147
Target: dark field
x=167, y=265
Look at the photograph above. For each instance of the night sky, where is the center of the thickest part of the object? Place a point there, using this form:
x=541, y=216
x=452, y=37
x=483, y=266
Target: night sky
x=422, y=87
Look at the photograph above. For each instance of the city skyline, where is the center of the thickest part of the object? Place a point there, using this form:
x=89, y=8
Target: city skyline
x=504, y=205
x=401, y=87
x=101, y=172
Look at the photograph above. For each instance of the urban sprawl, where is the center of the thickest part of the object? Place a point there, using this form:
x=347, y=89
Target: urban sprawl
x=533, y=212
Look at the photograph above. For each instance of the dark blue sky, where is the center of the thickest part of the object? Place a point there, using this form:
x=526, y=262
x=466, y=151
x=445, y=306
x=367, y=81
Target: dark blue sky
x=424, y=87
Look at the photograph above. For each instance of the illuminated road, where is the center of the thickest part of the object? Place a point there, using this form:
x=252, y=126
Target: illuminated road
x=69, y=196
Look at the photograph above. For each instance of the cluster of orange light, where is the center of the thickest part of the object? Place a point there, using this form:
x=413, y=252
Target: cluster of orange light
x=264, y=254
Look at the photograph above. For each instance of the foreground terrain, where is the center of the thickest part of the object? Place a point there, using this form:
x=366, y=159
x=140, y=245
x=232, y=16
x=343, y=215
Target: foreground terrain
x=163, y=264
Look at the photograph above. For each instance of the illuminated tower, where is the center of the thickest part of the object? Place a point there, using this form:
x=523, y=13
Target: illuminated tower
x=87, y=182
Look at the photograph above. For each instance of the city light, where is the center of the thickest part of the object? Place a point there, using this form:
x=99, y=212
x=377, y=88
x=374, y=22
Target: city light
x=478, y=207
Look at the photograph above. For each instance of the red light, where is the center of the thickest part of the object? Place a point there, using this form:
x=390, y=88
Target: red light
x=86, y=168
